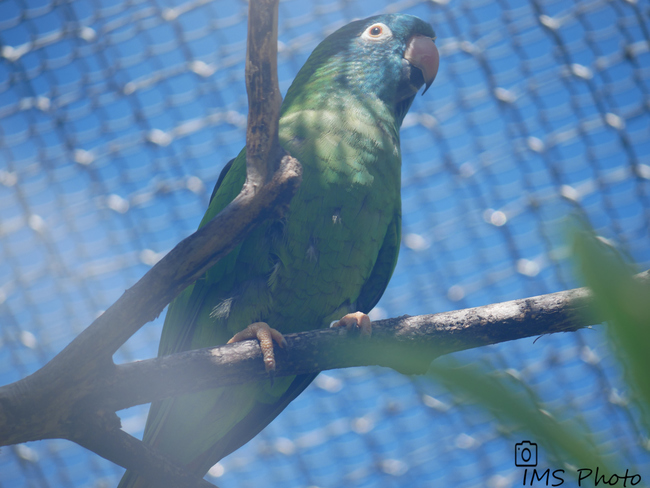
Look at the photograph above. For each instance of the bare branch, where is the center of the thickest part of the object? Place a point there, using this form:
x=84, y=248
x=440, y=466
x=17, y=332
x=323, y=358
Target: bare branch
x=107, y=440
x=80, y=362
x=54, y=402
x=407, y=344
x=192, y=257
x=264, y=99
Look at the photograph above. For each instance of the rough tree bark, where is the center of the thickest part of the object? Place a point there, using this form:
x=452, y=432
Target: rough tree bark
x=51, y=403
x=407, y=344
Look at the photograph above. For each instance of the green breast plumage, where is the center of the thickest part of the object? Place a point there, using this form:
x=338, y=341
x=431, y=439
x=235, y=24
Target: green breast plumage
x=308, y=269
x=338, y=219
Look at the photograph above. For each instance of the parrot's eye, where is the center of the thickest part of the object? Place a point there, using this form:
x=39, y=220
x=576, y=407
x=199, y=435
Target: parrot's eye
x=377, y=32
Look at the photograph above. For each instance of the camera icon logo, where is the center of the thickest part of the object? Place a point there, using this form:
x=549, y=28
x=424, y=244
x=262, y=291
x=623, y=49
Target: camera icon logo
x=526, y=454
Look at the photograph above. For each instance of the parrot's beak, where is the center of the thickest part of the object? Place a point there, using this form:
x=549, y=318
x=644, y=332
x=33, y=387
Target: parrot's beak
x=422, y=53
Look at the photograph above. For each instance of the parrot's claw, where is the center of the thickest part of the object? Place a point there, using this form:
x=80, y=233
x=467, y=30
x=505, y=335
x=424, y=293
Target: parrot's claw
x=265, y=335
x=357, y=320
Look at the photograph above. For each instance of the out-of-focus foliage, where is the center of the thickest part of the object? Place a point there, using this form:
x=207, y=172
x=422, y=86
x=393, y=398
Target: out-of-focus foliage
x=625, y=302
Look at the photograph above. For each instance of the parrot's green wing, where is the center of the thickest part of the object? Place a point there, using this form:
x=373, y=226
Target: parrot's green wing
x=374, y=288
x=185, y=310
x=334, y=251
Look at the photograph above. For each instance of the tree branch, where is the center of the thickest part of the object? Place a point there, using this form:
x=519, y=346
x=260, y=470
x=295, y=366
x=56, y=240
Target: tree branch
x=112, y=443
x=264, y=99
x=62, y=380
x=407, y=344
x=50, y=403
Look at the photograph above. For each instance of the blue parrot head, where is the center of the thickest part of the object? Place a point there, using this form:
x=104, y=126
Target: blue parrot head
x=388, y=56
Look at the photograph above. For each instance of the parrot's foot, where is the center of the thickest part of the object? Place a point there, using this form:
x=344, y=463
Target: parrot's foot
x=266, y=335
x=359, y=320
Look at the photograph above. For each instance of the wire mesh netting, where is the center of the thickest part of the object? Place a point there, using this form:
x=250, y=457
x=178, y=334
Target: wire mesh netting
x=116, y=118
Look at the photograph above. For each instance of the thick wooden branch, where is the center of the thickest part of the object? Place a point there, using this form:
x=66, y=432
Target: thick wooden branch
x=407, y=344
x=416, y=339
x=264, y=99
x=112, y=443
x=54, y=402
x=49, y=403
x=89, y=355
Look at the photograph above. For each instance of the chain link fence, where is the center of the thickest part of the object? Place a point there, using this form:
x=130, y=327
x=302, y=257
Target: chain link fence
x=116, y=117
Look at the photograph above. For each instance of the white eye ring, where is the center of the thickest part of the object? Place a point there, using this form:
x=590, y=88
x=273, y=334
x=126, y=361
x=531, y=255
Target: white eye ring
x=377, y=32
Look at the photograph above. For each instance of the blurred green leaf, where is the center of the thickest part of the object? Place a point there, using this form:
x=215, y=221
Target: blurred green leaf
x=565, y=440
x=625, y=302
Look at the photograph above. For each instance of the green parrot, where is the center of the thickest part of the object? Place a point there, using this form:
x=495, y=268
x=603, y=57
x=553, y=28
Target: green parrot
x=328, y=260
